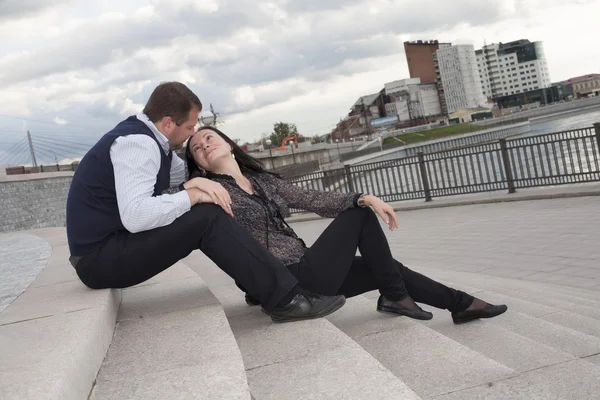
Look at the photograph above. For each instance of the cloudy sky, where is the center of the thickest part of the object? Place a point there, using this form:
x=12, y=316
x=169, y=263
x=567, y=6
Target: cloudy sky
x=70, y=70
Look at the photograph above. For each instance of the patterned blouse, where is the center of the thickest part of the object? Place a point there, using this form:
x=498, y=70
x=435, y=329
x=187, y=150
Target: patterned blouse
x=262, y=213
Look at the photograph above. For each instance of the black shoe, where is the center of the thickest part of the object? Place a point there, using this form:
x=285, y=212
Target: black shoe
x=307, y=305
x=394, y=307
x=251, y=301
x=489, y=311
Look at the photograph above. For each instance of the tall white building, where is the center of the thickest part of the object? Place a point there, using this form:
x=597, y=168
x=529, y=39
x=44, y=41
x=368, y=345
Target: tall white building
x=510, y=68
x=412, y=99
x=459, y=76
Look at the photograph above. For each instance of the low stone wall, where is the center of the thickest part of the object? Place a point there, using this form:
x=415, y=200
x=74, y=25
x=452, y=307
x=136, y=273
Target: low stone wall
x=33, y=203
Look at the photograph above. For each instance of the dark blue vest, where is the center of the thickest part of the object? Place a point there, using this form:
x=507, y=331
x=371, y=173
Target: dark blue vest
x=92, y=210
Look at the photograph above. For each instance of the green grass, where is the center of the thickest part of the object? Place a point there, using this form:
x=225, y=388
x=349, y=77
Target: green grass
x=435, y=133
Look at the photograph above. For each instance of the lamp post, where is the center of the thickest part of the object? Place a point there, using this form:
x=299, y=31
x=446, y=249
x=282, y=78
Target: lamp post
x=337, y=142
x=268, y=141
x=293, y=154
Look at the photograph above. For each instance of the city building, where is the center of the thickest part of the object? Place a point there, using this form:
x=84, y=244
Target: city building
x=410, y=100
x=586, y=85
x=362, y=112
x=419, y=57
x=534, y=98
x=564, y=90
x=512, y=68
x=457, y=71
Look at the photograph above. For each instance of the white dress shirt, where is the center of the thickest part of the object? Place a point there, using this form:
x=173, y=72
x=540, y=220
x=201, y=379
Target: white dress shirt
x=136, y=162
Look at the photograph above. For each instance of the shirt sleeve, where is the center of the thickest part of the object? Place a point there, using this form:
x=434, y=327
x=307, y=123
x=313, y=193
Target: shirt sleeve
x=325, y=204
x=178, y=170
x=136, y=162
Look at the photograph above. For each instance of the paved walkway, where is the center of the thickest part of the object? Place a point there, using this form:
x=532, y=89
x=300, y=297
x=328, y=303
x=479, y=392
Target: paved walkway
x=22, y=258
x=552, y=241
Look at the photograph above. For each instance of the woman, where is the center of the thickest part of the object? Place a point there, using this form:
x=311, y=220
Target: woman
x=260, y=200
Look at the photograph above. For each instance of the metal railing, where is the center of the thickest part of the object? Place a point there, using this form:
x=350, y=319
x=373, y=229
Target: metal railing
x=551, y=159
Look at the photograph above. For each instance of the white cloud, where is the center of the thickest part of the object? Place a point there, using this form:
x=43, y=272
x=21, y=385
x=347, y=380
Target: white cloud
x=60, y=121
x=258, y=62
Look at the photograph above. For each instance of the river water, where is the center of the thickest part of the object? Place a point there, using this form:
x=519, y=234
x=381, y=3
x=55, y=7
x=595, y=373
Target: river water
x=564, y=124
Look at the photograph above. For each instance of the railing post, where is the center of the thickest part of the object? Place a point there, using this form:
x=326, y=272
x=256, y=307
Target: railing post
x=349, y=178
x=507, y=169
x=424, y=176
x=597, y=129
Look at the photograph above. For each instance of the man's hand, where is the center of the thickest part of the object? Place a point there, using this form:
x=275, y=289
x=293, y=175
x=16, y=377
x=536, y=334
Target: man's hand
x=215, y=192
x=382, y=209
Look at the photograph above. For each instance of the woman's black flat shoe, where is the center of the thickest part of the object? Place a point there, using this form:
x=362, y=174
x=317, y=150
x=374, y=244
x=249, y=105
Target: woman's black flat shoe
x=489, y=311
x=393, y=307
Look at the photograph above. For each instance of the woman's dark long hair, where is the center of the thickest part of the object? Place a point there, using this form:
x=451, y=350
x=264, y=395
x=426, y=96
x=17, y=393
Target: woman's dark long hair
x=246, y=162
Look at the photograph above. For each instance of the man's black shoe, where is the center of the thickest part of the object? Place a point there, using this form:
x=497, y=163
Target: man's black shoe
x=306, y=305
x=489, y=311
x=394, y=307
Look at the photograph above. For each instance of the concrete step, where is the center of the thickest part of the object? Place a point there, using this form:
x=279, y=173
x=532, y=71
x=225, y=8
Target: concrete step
x=54, y=336
x=577, y=379
x=544, y=304
x=430, y=363
x=550, y=298
x=172, y=341
x=518, y=341
x=504, y=346
x=517, y=278
x=300, y=360
x=562, y=338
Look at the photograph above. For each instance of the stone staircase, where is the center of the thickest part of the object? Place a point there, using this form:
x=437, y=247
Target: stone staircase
x=547, y=346
x=188, y=333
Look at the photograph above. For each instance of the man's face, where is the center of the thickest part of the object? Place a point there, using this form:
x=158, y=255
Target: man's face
x=178, y=134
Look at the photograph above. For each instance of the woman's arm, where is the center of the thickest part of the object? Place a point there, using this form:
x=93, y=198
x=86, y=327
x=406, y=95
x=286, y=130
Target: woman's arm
x=325, y=204
x=331, y=204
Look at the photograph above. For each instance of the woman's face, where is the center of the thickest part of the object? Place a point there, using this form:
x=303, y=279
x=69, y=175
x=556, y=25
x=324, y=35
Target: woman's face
x=209, y=149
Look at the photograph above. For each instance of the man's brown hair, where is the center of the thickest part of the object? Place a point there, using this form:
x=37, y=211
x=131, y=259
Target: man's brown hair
x=171, y=99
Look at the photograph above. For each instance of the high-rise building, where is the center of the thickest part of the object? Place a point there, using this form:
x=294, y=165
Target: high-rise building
x=459, y=76
x=419, y=57
x=510, y=68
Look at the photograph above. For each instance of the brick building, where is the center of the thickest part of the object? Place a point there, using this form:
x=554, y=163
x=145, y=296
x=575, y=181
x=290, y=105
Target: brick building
x=419, y=57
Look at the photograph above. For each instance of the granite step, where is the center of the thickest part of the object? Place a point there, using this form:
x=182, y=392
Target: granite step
x=516, y=340
x=172, y=340
x=433, y=359
x=54, y=336
x=551, y=297
x=576, y=379
x=429, y=362
x=309, y=359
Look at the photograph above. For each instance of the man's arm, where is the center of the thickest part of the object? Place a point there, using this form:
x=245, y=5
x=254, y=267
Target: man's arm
x=136, y=162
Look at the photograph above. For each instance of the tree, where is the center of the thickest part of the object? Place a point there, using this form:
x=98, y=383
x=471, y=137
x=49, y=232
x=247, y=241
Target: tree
x=282, y=130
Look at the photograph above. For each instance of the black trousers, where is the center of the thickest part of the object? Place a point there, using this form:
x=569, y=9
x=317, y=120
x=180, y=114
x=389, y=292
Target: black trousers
x=330, y=266
x=128, y=259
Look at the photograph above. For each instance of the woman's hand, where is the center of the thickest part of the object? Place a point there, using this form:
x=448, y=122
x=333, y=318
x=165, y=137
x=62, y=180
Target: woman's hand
x=213, y=192
x=382, y=209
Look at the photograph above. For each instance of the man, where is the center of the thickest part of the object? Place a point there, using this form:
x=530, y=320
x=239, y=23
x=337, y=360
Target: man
x=122, y=230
